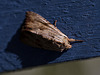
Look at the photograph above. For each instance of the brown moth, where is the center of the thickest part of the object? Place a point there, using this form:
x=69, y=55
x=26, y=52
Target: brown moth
x=40, y=33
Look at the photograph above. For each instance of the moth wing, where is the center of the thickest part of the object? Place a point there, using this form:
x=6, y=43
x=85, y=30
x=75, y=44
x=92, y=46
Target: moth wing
x=38, y=32
x=35, y=19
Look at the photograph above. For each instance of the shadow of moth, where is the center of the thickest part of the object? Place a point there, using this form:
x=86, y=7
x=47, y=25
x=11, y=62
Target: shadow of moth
x=38, y=32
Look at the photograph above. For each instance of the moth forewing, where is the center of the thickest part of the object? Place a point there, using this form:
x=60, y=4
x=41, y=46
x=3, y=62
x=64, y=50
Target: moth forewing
x=40, y=33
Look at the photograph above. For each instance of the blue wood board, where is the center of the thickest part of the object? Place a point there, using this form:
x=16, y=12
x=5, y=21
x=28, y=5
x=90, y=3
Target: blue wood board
x=78, y=19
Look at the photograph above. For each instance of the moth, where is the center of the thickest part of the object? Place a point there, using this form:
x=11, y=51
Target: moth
x=38, y=32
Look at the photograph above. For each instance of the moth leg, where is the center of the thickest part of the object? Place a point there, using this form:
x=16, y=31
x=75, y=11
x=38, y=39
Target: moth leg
x=73, y=40
x=55, y=23
x=69, y=46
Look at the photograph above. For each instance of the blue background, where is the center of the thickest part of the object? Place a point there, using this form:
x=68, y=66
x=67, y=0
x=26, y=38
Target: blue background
x=78, y=19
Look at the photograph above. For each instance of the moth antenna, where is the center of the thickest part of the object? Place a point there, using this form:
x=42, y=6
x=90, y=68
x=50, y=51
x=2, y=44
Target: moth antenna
x=55, y=22
x=73, y=40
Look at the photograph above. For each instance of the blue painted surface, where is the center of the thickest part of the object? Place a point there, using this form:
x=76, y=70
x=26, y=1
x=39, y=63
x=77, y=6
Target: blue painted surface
x=79, y=19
